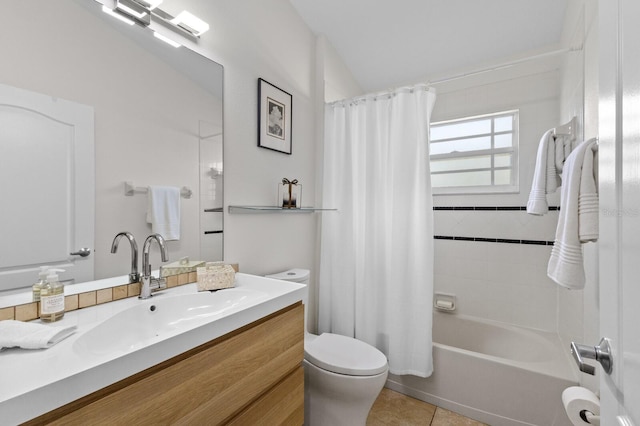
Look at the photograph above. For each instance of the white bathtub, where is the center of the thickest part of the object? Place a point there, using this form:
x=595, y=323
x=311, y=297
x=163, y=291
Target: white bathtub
x=494, y=372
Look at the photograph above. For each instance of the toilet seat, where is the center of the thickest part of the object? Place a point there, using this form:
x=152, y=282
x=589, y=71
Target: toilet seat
x=345, y=355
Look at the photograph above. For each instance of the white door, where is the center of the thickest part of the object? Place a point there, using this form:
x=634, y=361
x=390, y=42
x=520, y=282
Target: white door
x=46, y=187
x=619, y=128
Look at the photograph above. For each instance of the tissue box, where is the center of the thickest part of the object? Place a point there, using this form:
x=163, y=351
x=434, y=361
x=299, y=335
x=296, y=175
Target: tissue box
x=216, y=276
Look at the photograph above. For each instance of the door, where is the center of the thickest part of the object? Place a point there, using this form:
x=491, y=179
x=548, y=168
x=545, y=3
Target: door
x=46, y=187
x=619, y=128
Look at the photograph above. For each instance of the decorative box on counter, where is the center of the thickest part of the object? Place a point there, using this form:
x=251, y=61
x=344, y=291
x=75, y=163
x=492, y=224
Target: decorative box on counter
x=183, y=266
x=216, y=276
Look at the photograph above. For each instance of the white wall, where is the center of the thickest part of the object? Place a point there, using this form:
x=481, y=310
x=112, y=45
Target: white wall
x=338, y=81
x=263, y=39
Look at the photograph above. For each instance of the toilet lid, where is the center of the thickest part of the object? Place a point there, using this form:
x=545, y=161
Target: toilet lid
x=345, y=355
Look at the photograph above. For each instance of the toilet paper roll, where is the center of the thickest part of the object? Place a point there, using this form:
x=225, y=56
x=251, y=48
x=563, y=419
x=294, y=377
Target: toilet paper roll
x=577, y=399
x=444, y=304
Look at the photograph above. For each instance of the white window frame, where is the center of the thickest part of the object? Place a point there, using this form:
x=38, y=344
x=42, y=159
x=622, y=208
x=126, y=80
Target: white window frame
x=513, y=187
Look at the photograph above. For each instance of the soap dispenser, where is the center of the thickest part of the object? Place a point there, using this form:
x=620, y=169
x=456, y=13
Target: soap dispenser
x=42, y=280
x=52, y=297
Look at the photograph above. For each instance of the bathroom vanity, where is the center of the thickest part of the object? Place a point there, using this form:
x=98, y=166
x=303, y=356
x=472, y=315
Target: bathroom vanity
x=187, y=358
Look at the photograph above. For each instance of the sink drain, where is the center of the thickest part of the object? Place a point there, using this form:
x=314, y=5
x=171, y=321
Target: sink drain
x=152, y=308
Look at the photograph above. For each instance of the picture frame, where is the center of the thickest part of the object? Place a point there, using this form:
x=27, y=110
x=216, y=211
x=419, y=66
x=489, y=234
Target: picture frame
x=274, y=117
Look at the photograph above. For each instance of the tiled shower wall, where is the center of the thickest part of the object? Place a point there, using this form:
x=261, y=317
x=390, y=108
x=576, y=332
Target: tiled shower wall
x=503, y=281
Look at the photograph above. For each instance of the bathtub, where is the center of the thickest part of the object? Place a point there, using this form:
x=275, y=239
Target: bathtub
x=499, y=374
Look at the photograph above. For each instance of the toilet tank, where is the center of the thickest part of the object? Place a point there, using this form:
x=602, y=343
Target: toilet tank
x=300, y=276
x=295, y=275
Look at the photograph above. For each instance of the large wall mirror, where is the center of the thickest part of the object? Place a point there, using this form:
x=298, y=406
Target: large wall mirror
x=155, y=113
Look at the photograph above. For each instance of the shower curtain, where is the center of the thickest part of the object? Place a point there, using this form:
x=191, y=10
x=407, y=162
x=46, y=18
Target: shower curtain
x=376, y=256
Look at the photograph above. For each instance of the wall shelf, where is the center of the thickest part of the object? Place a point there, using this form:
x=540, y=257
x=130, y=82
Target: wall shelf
x=274, y=209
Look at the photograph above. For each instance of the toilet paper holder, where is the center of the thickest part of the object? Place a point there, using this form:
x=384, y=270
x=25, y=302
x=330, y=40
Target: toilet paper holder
x=590, y=418
x=444, y=302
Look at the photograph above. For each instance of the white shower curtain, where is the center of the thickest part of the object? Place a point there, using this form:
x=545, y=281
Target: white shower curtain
x=376, y=261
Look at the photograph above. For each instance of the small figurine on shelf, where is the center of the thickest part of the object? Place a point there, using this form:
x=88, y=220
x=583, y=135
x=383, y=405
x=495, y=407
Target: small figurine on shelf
x=290, y=194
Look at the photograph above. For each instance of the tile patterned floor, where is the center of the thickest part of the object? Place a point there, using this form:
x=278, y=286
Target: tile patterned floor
x=393, y=408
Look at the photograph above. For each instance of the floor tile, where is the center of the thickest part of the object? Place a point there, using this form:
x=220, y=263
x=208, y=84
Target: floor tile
x=393, y=408
x=444, y=417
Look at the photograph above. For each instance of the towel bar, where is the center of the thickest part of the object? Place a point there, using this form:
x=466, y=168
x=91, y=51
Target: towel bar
x=568, y=129
x=130, y=190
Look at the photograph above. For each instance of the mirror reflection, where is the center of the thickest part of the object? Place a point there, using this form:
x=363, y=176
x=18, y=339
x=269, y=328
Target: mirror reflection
x=88, y=103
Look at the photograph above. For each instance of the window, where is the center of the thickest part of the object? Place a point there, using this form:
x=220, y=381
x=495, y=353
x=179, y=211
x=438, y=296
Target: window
x=475, y=154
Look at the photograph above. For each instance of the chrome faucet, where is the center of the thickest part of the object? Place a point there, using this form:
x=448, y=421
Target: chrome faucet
x=134, y=276
x=147, y=280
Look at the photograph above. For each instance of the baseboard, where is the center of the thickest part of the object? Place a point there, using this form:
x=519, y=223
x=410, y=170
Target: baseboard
x=472, y=413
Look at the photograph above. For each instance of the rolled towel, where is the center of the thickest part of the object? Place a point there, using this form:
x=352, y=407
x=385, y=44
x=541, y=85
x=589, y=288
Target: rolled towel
x=588, y=205
x=545, y=177
x=28, y=335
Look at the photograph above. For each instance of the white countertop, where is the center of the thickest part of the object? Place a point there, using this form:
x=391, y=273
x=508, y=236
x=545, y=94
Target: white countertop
x=34, y=382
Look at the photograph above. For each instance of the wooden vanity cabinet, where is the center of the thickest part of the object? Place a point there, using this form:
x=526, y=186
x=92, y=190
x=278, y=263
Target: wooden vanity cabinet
x=250, y=376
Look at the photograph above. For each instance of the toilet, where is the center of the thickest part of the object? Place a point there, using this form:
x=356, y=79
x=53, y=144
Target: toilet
x=343, y=375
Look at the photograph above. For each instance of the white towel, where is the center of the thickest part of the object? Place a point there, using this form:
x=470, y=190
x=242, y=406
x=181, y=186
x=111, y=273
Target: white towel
x=163, y=211
x=545, y=178
x=566, y=264
x=588, y=203
x=28, y=335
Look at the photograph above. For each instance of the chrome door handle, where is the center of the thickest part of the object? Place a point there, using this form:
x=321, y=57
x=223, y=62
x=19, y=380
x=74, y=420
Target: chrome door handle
x=83, y=252
x=601, y=353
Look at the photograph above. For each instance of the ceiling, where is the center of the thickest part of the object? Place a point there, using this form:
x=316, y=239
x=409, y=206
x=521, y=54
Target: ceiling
x=386, y=43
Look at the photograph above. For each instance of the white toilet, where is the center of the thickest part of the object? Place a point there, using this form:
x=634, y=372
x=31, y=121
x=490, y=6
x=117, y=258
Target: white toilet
x=343, y=375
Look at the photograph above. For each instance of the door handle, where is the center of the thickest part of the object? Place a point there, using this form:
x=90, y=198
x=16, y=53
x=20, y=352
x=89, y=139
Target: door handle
x=83, y=252
x=601, y=353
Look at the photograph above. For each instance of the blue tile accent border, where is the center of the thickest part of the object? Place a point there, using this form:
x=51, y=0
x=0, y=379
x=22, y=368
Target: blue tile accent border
x=491, y=240
x=489, y=208
x=494, y=240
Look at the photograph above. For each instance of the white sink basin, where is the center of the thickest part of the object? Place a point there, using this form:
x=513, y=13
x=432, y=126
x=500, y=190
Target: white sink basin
x=163, y=316
x=119, y=339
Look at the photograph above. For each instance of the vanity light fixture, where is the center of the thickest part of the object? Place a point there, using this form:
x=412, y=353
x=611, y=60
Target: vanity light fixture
x=118, y=16
x=143, y=12
x=137, y=11
x=153, y=3
x=191, y=23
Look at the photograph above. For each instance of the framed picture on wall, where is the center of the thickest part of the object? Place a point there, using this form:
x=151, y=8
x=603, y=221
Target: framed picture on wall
x=274, y=117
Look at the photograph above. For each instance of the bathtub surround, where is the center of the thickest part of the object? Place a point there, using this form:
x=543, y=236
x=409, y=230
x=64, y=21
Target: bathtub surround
x=502, y=280
x=487, y=239
x=376, y=256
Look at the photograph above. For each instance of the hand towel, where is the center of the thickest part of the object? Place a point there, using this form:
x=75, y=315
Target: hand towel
x=545, y=178
x=163, y=211
x=566, y=264
x=29, y=335
x=588, y=203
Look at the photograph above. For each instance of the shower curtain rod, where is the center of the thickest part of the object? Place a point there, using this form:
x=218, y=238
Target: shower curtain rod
x=504, y=65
